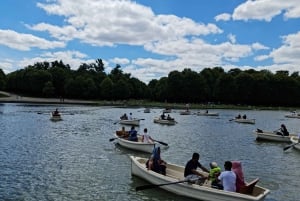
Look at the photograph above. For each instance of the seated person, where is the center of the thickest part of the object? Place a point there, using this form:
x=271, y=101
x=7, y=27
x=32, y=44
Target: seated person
x=228, y=177
x=146, y=138
x=244, y=116
x=214, y=172
x=155, y=163
x=122, y=133
x=56, y=113
x=238, y=117
x=124, y=117
x=169, y=117
x=283, y=131
x=190, y=170
x=237, y=169
x=133, y=134
x=163, y=116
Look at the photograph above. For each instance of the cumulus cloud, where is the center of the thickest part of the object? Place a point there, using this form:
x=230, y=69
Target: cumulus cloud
x=223, y=17
x=26, y=42
x=266, y=9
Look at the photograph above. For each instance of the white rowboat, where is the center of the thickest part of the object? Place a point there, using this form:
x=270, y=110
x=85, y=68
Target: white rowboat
x=271, y=136
x=207, y=114
x=164, y=121
x=133, y=122
x=137, y=146
x=186, y=112
x=245, y=121
x=293, y=115
x=295, y=141
x=174, y=174
x=55, y=117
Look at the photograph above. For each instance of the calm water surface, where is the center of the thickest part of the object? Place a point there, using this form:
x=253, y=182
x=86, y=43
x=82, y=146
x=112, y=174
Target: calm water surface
x=74, y=160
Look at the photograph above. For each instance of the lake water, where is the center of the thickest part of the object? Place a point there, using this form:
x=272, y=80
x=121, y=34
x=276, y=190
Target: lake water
x=74, y=160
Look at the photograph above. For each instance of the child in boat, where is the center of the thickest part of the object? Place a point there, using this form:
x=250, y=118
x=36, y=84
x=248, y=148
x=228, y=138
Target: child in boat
x=214, y=172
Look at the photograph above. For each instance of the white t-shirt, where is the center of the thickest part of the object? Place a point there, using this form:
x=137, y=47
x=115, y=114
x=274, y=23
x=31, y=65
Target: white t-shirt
x=147, y=139
x=228, y=179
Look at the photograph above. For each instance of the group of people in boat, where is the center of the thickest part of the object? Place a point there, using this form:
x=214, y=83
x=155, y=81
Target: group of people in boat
x=132, y=135
x=164, y=117
x=125, y=117
x=231, y=179
x=241, y=117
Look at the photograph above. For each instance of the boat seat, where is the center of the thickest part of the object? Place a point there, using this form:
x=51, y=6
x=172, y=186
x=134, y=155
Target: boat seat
x=248, y=188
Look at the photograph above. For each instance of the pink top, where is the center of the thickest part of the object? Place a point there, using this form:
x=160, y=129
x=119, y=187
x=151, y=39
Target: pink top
x=237, y=169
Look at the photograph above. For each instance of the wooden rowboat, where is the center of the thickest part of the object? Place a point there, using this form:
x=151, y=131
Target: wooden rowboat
x=137, y=146
x=271, y=136
x=164, y=121
x=180, y=186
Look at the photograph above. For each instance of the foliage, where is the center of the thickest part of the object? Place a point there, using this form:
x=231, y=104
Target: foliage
x=211, y=85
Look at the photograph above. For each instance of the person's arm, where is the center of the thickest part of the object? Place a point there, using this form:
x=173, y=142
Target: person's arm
x=203, y=168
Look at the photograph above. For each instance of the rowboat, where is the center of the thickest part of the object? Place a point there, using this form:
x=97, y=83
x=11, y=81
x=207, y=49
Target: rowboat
x=271, y=136
x=186, y=112
x=137, y=146
x=167, y=110
x=55, y=117
x=296, y=144
x=207, y=114
x=293, y=115
x=180, y=186
x=133, y=122
x=164, y=121
x=147, y=110
x=244, y=121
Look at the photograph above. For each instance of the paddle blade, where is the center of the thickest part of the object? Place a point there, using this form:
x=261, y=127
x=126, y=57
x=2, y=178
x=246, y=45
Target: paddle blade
x=287, y=147
x=112, y=139
x=163, y=143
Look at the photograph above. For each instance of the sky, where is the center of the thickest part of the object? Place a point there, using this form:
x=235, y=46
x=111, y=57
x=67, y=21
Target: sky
x=151, y=38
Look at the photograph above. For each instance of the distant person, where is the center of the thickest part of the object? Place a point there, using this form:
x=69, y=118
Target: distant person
x=163, y=116
x=244, y=116
x=238, y=117
x=147, y=138
x=228, y=178
x=283, y=131
x=123, y=133
x=155, y=163
x=170, y=118
x=190, y=170
x=124, y=117
x=130, y=116
x=56, y=112
x=133, y=134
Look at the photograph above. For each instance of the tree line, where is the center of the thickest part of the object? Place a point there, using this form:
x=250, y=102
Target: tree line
x=89, y=81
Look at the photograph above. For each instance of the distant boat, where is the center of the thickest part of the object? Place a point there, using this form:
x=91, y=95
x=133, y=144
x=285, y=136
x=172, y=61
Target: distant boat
x=55, y=117
x=147, y=110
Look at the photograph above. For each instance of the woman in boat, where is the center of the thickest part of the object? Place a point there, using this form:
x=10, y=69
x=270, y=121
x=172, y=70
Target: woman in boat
x=190, y=170
x=283, y=131
x=237, y=169
x=133, y=134
x=155, y=163
x=147, y=138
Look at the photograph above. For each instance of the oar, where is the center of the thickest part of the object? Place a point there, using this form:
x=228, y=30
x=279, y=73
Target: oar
x=160, y=142
x=112, y=139
x=289, y=146
x=158, y=185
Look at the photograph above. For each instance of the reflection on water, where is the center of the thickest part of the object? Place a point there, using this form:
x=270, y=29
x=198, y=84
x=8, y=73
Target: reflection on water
x=74, y=160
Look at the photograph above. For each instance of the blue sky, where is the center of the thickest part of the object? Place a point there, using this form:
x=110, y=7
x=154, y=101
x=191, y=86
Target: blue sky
x=150, y=38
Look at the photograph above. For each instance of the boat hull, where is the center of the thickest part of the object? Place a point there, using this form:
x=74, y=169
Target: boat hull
x=134, y=122
x=164, y=121
x=245, y=121
x=55, y=117
x=204, y=192
x=270, y=136
x=294, y=140
x=136, y=146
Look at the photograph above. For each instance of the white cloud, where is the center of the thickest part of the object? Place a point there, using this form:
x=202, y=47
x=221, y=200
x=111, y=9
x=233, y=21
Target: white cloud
x=223, y=17
x=26, y=42
x=121, y=61
x=266, y=9
x=232, y=38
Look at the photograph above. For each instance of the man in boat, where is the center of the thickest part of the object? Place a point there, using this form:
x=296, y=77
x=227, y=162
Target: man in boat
x=155, y=163
x=146, y=138
x=133, y=134
x=170, y=118
x=122, y=133
x=190, y=170
x=124, y=117
x=228, y=177
x=163, y=116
